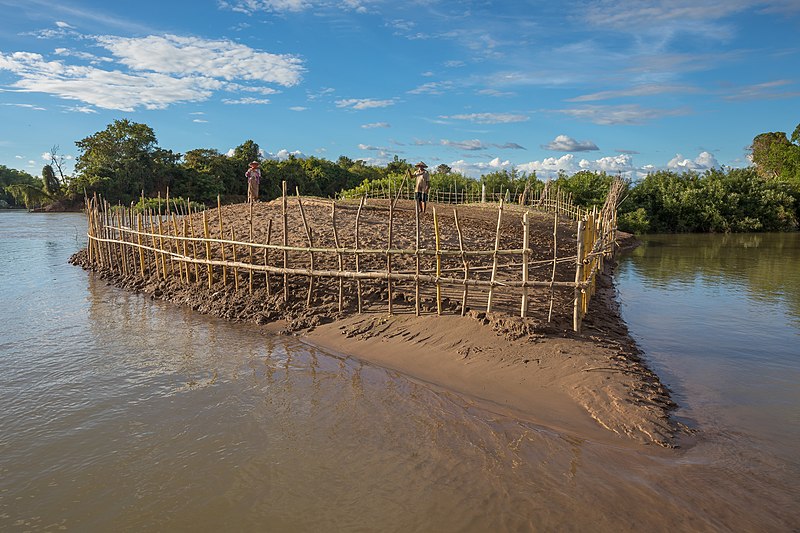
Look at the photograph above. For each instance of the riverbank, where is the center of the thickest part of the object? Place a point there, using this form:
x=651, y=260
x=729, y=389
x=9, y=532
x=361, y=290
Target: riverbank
x=591, y=385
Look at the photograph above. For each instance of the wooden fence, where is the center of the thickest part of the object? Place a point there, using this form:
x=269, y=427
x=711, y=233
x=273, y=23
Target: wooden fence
x=548, y=199
x=179, y=245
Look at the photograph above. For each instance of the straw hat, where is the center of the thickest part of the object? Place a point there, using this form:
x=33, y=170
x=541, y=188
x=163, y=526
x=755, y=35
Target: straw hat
x=254, y=163
x=421, y=165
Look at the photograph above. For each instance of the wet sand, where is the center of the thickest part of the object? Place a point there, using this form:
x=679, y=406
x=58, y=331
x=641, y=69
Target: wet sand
x=592, y=385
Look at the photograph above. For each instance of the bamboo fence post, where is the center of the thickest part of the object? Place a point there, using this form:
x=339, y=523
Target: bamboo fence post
x=416, y=255
x=358, y=266
x=208, y=250
x=178, y=244
x=553, y=275
x=139, y=240
x=235, y=269
x=438, y=264
x=339, y=254
x=266, y=258
x=389, y=256
x=185, y=248
x=151, y=228
x=194, y=246
x=466, y=264
x=525, y=258
x=161, y=243
x=494, y=257
x=310, y=245
x=285, y=243
x=578, y=304
x=222, y=246
x=250, y=240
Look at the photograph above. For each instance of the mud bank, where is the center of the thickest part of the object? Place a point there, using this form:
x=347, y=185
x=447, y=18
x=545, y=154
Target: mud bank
x=591, y=385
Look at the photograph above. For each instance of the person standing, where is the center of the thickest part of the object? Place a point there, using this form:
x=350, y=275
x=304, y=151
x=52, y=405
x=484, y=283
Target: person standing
x=253, y=176
x=423, y=184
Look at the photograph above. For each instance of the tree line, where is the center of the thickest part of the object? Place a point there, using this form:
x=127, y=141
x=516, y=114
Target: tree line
x=124, y=160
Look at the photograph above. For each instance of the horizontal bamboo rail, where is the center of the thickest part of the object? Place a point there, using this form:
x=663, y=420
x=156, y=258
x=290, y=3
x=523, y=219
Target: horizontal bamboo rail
x=149, y=245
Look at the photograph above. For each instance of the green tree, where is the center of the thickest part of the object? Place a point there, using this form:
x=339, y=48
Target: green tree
x=11, y=176
x=121, y=161
x=52, y=187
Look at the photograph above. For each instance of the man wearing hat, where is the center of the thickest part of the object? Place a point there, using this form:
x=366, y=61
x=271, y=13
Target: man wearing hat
x=422, y=185
x=253, y=176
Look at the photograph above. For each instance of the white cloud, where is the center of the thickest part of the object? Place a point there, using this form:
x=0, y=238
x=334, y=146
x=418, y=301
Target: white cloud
x=94, y=59
x=364, y=103
x=79, y=109
x=471, y=145
x=621, y=114
x=434, y=87
x=172, y=54
x=704, y=161
x=640, y=90
x=374, y=125
x=62, y=24
x=298, y=108
x=161, y=70
x=250, y=7
x=24, y=106
x=564, y=143
x=477, y=168
x=488, y=118
x=284, y=154
x=245, y=101
x=199, y=121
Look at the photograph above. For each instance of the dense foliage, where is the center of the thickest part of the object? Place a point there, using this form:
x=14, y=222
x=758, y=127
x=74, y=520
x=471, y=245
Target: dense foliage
x=124, y=162
x=15, y=187
x=733, y=200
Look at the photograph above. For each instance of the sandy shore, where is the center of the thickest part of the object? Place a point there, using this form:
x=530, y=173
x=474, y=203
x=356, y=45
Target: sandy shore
x=590, y=385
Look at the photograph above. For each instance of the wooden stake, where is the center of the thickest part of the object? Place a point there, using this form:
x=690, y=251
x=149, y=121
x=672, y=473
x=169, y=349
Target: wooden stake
x=310, y=245
x=285, y=243
x=235, y=269
x=389, y=255
x=525, y=257
x=222, y=246
x=208, y=250
x=578, y=303
x=194, y=246
x=358, y=267
x=338, y=253
x=251, y=249
x=555, y=259
x=417, y=306
x=466, y=264
x=438, y=264
x=139, y=240
x=494, y=257
x=266, y=258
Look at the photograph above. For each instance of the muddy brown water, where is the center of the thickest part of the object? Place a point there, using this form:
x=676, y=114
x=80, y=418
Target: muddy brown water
x=127, y=414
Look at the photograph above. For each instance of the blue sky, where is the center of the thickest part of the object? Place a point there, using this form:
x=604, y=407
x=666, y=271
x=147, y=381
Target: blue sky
x=620, y=86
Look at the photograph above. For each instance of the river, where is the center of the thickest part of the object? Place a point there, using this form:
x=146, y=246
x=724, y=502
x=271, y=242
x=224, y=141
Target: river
x=129, y=414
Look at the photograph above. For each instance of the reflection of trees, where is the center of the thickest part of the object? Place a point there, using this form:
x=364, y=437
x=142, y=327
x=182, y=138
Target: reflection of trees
x=765, y=264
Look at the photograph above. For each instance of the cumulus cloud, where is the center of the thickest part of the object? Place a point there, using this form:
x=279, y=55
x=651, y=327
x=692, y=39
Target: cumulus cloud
x=363, y=103
x=157, y=71
x=704, y=161
x=298, y=108
x=172, y=54
x=564, y=143
x=482, y=167
x=488, y=118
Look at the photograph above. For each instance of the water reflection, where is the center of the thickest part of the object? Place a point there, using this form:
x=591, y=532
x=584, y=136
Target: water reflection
x=125, y=413
x=764, y=266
